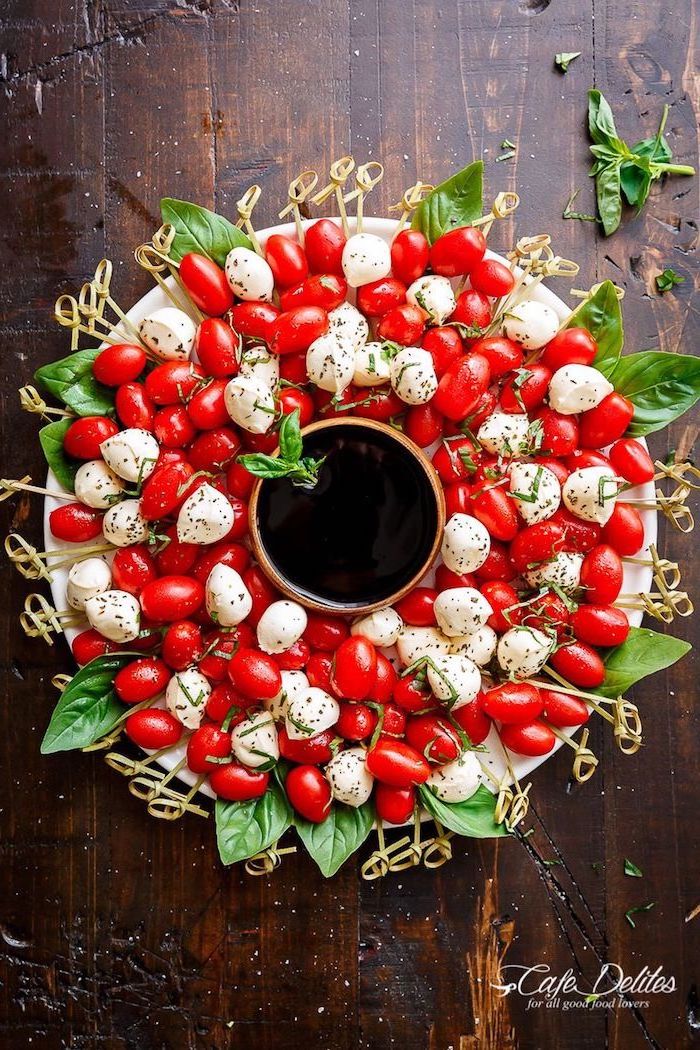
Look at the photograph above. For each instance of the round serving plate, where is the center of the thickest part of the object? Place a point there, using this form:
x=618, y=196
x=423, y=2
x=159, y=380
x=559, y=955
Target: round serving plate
x=637, y=578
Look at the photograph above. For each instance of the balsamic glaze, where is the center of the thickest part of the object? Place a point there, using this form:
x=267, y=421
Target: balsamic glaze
x=363, y=532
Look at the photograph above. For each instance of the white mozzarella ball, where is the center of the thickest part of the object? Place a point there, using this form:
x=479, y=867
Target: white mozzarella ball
x=250, y=403
x=454, y=679
x=186, y=696
x=503, y=434
x=461, y=610
x=249, y=275
x=132, y=454
x=465, y=544
x=415, y=643
x=478, y=647
x=381, y=628
x=123, y=524
x=115, y=614
x=434, y=295
x=577, y=388
x=535, y=490
x=96, y=485
x=330, y=362
x=228, y=599
x=280, y=626
x=349, y=778
x=590, y=493
x=259, y=363
x=372, y=365
x=346, y=322
x=457, y=780
x=169, y=333
x=293, y=684
x=86, y=579
x=531, y=324
x=523, y=651
x=309, y=713
x=563, y=569
x=205, y=517
x=413, y=375
x=254, y=741
x=366, y=258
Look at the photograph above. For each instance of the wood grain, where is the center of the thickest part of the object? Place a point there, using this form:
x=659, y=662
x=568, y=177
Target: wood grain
x=118, y=932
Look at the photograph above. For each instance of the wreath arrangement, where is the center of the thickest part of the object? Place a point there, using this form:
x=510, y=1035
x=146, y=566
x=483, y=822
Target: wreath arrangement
x=351, y=523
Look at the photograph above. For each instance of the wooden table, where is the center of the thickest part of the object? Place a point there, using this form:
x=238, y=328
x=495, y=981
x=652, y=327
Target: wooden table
x=119, y=931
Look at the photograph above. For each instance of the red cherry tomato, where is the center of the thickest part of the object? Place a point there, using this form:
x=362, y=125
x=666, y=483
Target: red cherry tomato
x=254, y=319
x=165, y=490
x=315, y=750
x=624, y=531
x=234, y=555
x=297, y=329
x=472, y=720
x=404, y=324
x=294, y=658
x=237, y=783
x=601, y=575
x=254, y=674
x=582, y=458
x=134, y=407
x=579, y=536
x=397, y=764
x=446, y=579
x=579, y=664
x=461, y=387
x=549, y=612
x=355, y=668
x=485, y=407
x=473, y=310
x=384, y=405
x=423, y=424
x=309, y=793
x=384, y=681
x=226, y=705
x=600, y=625
x=291, y=399
x=206, y=284
x=503, y=355
x=141, y=680
x=119, y=364
x=206, y=743
x=560, y=434
x=182, y=644
x=556, y=466
x=512, y=703
x=632, y=461
x=378, y=297
x=173, y=382
x=325, y=632
x=416, y=607
x=173, y=427
x=433, y=737
x=213, y=450
x=494, y=508
x=532, y=739
x=171, y=598
x=504, y=601
x=536, y=543
x=498, y=565
x=445, y=346
x=356, y=721
x=217, y=347
x=324, y=242
x=261, y=591
x=207, y=408
x=573, y=346
x=239, y=481
x=412, y=694
x=75, y=523
x=90, y=644
x=219, y=648
x=458, y=251
x=602, y=425
x=176, y=558
x=394, y=805
x=153, y=729
x=492, y=278
x=410, y=252
x=132, y=568
x=83, y=438
x=562, y=710
x=286, y=259
x=326, y=290
x=526, y=391
x=458, y=499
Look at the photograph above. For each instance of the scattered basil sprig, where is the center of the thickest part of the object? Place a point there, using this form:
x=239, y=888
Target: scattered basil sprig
x=644, y=653
x=564, y=59
x=668, y=279
x=456, y=202
x=631, y=869
x=331, y=842
x=473, y=818
x=88, y=707
x=634, y=911
x=200, y=230
x=71, y=381
x=245, y=828
x=301, y=470
x=51, y=439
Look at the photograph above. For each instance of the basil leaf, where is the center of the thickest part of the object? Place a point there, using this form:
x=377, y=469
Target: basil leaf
x=661, y=386
x=601, y=123
x=607, y=191
x=200, y=230
x=51, y=439
x=88, y=707
x=331, y=842
x=456, y=202
x=87, y=397
x=58, y=376
x=245, y=828
x=263, y=466
x=602, y=316
x=644, y=653
x=472, y=818
x=290, y=437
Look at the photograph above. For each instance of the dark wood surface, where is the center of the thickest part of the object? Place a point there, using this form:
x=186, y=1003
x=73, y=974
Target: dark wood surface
x=119, y=931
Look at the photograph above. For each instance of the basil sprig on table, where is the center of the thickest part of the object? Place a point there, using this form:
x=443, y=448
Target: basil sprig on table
x=473, y=818
x=456, y=202
x=331, y=842
x=199, y=230
x=71, y=381
x=88, y=707
x=302, y=470
x=51, y=439
x=643, y=653
x=245, y=828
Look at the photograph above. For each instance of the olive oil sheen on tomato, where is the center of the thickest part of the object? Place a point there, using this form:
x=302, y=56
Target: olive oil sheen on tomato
x=366, y=528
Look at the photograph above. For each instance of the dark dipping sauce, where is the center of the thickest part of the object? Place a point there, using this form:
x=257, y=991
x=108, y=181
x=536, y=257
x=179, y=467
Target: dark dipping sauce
x=363, y=532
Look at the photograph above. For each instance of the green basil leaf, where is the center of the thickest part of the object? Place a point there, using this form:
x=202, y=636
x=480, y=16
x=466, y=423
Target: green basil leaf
x=635, y=183
x=644, y=653
x=200, y=230
x=263, y=466
x=245, y=828
x=602, y=316
x=661, y=386
x=472, y=818
x=456, y=202
x=51, y=439
x=88, y=707
x=607, y=191
x=290, y=437
x=57, y=377
x=331, y=842
x=601, y=123
x=87, y=397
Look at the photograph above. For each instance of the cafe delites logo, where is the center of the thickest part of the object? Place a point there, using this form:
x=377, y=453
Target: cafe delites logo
x=611, y=989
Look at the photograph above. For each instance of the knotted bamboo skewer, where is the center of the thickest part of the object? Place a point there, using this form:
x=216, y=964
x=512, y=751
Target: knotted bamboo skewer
x=38, y=565
x=408, y=204
x=340, y=172
x=365, y=182
x=154, y=257
x=298, y=193
x=245, y=207
x=31, y=401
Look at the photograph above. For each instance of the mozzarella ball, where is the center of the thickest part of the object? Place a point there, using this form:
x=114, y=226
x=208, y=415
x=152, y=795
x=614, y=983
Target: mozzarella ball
x=523, y=651
x=248, y=275
x=372, y=365
x=86, y=579
x=346, y=322
x=531, y=324
x=461, y=610
x=250, y=403
x=577, y=388
x=132, y=454
x=366, y=258
x=434, y=295
x=205, y=517
x=478, y=647
x=309, y=713
x=330, y=362
x=465, y=544
x=381, y=628
x=349, y=778
x=458, y=780
x=186, y=696
x=169, y=333
x=564, y=570
x=503, y=434
x=254, y=741
x=415, y=643
x=259, y=363
x=115, y=614
x=123, y=524
x=413, y=375
x=293, y=684
x=590, y=493
x=280, y=626
x=228, y=599
x=96, y=485
x=454, y=679
x=535, y=490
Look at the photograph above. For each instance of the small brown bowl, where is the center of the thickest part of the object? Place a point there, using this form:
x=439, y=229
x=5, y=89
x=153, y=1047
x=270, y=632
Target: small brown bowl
x=426, y=512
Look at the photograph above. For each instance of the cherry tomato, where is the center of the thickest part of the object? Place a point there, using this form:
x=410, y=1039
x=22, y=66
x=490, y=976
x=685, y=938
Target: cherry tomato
x=404, y=324
x=410, y=253
x=173, y=427
x=600, y=625
x=134, y=407
x=423, y=424
x=384, y=681
x=512, y=703
x=220, y=647
x=492, y=278
x=601, y=575
x=355, y=668
x=286, y=259
x=485, y=407
x=573, y=346
x=498, y=565
x=533, y=739
x=458, y=251
x=446, y=579
x=548, y=612
x=445, y=346
x=239, y=481
x=173, y=382
x=90, y=644
x=132, y=568
x=324, y=242
x=461, y=387
x=254, y=674
x=291, y=399
x=141, y=680
x=206, y=284
x=579, y=664
x=412, y=694
x=535, y=544
x=473, y=310
x=325, y=632
x=153, y=729
x=607, y=422
x=235, y=783
x=472, y=720
x=165, y=490
x=326, y=290
x=503, y=355
x=378, y=297
x=632, y=461
x=75, y=523
x=563, y=710
x=119, y=364
x=294, y=658
x=217, y=347
x=560, y=434
x=171, y=598
x=581, y=458
x=579, y=535
x=83, y=438
x=394, y=805
x=182, y=644
x=494, y=508
x=315, y=750
x=296, y=329
x=384, y=405
x=207, y=408
x=504, y=601
x=309, y=793
x=556, y=466
x=225, y=703
x=175, y=558
x=356, y=721
x=262, y=592
x=213, y=450
x=526, y=391
x=293, y=369
x=397, y=764
x=416, y=607
x=254, y=319
x=624, y=531
x=458, y=499
x=207, y=742
x=433, y=737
